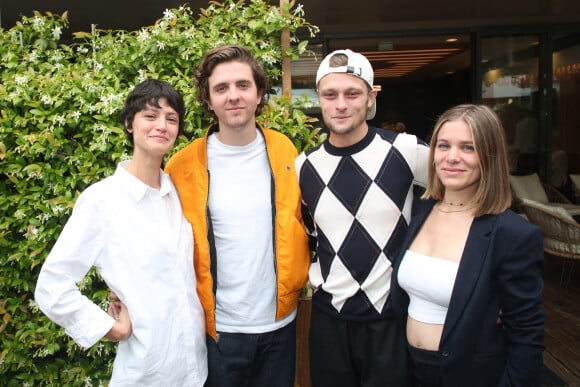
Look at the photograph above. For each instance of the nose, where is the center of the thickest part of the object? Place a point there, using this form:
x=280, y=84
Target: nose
x=232, y=93
x=341, y=102
x=162, y=124
x=453, y=154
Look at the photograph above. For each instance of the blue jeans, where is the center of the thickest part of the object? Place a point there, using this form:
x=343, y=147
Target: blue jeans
x=252, y=360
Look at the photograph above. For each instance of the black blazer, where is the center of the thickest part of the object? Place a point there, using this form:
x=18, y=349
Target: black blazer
x=500, y=269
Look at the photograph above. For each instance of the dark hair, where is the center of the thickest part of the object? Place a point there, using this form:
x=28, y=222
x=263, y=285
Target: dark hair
x=229, y=53
x=150, y=91
x=493, y=194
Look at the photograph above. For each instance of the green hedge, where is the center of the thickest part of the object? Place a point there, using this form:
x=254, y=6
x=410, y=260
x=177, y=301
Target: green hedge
x=60, y=132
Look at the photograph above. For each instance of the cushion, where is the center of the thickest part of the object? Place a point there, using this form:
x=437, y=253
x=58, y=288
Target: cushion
x=576, y=181
x=550, y=208
x=528, y=187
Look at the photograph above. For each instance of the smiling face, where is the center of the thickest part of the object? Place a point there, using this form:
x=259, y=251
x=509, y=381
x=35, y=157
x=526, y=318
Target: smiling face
x=234, y=96
x=456, y=161
x=344, y=102
x=154, y=129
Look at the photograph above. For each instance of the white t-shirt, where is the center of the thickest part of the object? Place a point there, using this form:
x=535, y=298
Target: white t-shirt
x=240, y=205
x=142, y=245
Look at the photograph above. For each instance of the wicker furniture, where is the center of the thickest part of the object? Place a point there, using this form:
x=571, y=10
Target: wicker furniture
x=575, y=179
x=561, y=236
x=531, y=188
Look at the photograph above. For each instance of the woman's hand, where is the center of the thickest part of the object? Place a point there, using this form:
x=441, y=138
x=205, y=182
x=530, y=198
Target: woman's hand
x=122, y=328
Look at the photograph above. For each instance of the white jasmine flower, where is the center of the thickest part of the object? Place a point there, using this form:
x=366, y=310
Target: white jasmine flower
x=168, y=14
x=20, y=80
x=56, y=32
x=299, y=10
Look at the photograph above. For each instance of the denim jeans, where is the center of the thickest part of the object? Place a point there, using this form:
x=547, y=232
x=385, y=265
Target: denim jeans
x=253, y=360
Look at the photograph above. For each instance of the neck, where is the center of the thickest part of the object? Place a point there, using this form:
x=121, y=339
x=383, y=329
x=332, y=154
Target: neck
x=456, y=203
x=459, y=198
x=237, y=136
x=443, y=207
x=343, y=140
x=146, y=170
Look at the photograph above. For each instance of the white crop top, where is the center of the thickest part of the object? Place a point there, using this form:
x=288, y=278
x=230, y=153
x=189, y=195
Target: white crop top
x=429, y=283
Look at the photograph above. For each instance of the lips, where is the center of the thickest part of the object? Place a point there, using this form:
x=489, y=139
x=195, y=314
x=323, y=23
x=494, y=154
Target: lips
x=451, y=171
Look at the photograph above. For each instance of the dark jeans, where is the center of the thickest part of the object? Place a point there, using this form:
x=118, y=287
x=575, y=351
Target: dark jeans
x=357, y=354
x=252, y=360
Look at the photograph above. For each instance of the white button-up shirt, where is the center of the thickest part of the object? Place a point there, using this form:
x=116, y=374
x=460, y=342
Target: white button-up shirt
x=142, y=245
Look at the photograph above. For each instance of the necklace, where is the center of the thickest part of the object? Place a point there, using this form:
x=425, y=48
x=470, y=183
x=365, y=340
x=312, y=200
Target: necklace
x=461, y=207
x=454, y=204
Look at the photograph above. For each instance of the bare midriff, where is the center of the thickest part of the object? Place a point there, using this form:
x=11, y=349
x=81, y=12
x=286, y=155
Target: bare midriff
x=424, y=335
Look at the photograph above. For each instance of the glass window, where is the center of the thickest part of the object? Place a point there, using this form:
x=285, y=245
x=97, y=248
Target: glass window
x=566, y=112
x=510, y=86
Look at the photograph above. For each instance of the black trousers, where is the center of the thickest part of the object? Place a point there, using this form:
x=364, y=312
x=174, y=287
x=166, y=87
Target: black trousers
x=426, y=367
x=357, y=354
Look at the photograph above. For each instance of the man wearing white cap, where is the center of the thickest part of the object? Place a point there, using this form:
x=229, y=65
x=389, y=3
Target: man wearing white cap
x=357, y=188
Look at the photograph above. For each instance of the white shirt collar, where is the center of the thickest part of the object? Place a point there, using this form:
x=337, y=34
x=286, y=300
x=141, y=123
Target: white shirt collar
x=136, y=187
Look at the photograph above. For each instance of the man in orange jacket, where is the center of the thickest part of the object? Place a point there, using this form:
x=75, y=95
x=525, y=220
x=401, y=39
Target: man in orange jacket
x=239, y=190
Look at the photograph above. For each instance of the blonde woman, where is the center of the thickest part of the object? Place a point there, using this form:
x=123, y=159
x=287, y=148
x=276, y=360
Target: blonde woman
x=468, y=259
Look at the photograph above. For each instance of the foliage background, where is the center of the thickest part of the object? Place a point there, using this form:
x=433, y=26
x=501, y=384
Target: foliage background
x=60, y=132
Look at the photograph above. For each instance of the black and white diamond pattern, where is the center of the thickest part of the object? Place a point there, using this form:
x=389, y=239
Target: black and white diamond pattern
x=360, y=200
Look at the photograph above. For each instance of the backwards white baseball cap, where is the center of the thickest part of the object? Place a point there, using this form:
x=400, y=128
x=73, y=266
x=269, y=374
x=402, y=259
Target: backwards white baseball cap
x=357, y=65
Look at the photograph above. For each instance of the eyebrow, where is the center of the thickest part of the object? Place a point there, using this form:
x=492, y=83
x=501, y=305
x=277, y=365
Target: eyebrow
x=461, y=142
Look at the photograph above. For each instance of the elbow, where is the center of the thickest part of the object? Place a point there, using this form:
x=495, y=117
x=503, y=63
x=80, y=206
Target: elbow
x=42, y=298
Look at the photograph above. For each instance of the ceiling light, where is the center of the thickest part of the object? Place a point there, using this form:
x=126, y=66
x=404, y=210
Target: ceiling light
x=385, y=46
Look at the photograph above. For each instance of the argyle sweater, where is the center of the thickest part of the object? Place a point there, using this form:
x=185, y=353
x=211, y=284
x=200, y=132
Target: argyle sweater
x=357, y=205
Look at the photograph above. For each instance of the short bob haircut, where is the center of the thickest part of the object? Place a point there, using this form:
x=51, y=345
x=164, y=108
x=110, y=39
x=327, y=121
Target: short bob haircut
x=149, y=92
x=493, y=194
x=230, y=53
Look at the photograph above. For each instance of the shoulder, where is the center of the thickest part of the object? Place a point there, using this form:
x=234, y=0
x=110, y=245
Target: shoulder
x=184, y=155
x=277, y=138
x=510, y=226
x=411, y=147
x=311, y=154
x=279, y=143
x=398, y=137
x=98, y=194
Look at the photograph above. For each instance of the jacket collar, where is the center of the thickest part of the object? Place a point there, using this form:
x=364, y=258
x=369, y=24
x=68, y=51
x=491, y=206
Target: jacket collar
x=214, y=128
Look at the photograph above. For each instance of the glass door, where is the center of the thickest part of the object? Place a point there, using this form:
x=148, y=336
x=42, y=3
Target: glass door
x=566, y=122
x=510, y=68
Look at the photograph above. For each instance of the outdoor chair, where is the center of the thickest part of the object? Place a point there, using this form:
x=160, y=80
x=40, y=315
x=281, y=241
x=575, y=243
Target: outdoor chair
x=531, y=188
x=575, y=179
x=561, y=236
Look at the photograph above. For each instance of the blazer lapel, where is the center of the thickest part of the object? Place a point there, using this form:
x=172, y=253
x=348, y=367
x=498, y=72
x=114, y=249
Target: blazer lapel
x=414, y=227
x=472, y=260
